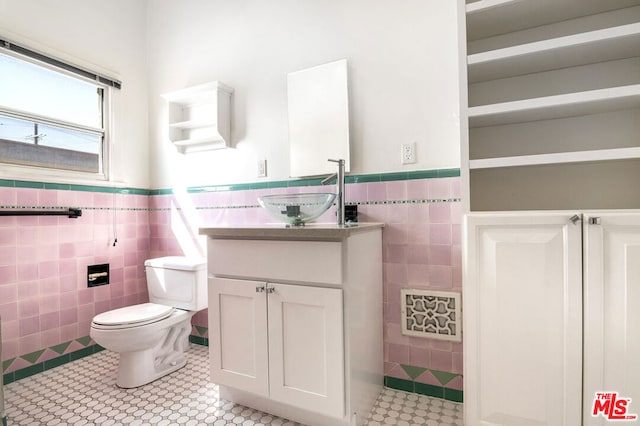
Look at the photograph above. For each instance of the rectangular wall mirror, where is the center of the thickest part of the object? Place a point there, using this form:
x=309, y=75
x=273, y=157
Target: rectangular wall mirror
x=318, y=105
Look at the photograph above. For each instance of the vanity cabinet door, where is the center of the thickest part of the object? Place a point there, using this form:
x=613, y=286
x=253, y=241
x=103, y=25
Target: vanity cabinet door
x=238, y=334
x=306, y=356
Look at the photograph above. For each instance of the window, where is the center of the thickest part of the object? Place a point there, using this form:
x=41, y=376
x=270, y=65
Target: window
x=52, y=115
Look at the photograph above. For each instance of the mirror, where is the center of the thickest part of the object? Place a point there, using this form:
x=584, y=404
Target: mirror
x=318, y=105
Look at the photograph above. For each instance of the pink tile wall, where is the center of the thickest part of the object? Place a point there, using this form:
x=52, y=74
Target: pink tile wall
x=44, y=298
x=421, y=249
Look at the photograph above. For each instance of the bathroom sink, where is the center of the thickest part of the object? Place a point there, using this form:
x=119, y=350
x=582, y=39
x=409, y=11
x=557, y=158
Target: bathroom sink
x=297, y=209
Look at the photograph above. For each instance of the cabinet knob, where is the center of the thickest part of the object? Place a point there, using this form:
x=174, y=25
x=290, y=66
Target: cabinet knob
x=271, y=290
x=260, y=289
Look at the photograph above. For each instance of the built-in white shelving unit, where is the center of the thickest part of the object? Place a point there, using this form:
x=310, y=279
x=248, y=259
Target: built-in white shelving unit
x=553, y=111
x=554, y=104
x=200, y=117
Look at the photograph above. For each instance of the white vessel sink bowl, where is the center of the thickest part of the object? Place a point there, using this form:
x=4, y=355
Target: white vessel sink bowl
x=297, y=209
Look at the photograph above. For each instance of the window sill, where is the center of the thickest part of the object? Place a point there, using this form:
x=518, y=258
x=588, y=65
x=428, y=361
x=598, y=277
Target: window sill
x=37, y=174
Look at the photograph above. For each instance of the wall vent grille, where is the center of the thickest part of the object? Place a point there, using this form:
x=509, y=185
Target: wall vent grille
x=432, y=314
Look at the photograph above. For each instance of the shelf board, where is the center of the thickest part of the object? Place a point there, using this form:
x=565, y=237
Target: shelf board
x=557, y=158
x=200, y=144
x=557, y=106
x=486, y=18
x=192, y=124
x=562, y=52
x=201, y=94
x=484, y=5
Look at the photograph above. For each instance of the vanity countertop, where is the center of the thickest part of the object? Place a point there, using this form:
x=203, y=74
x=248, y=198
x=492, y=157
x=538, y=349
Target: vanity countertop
x=309, y=232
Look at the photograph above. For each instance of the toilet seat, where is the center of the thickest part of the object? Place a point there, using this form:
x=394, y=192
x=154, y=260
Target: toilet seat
x=132, y=316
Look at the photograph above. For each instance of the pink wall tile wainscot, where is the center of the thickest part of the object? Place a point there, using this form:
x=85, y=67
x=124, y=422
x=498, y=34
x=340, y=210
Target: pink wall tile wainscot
x=421, y=249
x=44, y=297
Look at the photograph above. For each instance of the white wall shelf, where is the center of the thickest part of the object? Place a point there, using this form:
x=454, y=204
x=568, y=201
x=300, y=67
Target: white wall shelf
x=192, y=124
x=483, y=5
x=558, y=106
x=200, y=117
x=488, y=18
x=562, y=52
x=198, y=144
x=557, y=158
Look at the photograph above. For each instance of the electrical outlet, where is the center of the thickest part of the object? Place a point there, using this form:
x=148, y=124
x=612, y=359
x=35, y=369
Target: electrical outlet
x=408, y=151
x=262, y=168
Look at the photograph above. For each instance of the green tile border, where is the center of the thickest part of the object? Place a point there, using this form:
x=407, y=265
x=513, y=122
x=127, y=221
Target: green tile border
x=366, y=178
x=71, y=356
x=454, y=395
x=390, y=382
x=71, y=187
x=64, y=359
x=203, y=341
x=399, y=384
x=49, y=364
x=424, y=389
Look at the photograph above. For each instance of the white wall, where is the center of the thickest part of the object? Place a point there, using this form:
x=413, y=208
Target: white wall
x=109, y=35
x=403, y=65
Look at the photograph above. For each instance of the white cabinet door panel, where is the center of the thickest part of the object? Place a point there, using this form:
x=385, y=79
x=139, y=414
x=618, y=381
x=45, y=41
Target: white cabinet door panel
x=523, y=320
x=238, y=334
x=306, y=358
x=612, y=311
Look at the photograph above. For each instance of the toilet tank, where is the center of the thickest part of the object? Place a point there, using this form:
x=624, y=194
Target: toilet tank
x=177, y=281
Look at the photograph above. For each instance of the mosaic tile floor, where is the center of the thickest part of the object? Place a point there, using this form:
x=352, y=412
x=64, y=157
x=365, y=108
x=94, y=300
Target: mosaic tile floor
x=83, y=393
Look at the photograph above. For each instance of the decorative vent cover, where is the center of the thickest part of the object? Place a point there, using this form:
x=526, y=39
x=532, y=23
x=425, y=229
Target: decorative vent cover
x=434, y=314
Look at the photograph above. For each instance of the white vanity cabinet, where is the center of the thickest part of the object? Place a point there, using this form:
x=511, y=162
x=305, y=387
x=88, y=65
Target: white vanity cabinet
x=281, y=341
x=552, y=307
x=295, y=320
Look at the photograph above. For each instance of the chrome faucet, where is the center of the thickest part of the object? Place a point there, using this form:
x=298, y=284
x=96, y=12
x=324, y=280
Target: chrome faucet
x=339, y=177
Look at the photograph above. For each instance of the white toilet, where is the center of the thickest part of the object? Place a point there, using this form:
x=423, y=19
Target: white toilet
x=151, y=338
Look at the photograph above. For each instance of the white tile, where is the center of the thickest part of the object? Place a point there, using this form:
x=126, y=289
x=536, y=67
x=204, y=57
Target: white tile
x=83, y=393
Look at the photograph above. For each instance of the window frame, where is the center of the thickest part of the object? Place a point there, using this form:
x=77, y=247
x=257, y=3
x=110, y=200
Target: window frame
x=51, y=61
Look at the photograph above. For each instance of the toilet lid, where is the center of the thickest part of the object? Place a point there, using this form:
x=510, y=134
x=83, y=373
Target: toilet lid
x=133, y=315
